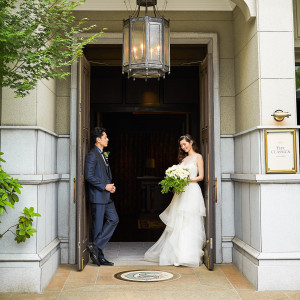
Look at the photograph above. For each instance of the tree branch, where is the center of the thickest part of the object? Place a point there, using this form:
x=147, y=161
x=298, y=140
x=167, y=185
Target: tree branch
x=1, y=235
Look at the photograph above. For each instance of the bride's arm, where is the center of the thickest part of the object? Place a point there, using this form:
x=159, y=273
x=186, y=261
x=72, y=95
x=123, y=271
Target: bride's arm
x=200, y=169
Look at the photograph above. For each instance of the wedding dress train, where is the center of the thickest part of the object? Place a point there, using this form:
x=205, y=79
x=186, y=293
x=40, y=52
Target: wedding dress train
x=183, y=239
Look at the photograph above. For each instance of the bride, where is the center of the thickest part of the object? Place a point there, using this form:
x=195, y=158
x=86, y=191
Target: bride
x=183, y=239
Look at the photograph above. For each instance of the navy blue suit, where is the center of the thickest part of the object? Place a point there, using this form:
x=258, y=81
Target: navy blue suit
x=105, y=218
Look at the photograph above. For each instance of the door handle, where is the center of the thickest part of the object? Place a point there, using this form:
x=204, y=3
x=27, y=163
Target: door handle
x=74, y=196
x=216, y=189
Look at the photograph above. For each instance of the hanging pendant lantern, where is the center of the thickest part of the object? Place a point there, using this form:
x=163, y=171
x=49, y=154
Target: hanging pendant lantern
x=146, y=43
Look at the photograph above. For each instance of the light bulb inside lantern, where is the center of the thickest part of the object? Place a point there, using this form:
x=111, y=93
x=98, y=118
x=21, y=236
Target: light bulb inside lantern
x=158, y=50
x=142, y=49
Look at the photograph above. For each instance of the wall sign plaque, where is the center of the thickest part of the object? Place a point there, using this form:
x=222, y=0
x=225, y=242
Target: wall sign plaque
x=280, y=150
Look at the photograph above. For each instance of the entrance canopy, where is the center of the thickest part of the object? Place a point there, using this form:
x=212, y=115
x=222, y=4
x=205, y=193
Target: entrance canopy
x=248, y=7
x=174, y=5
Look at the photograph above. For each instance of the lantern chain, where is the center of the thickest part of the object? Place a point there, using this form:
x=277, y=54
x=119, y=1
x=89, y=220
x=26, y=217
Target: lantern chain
x=126, y=6
x=135, y=13
x=130, y=10
x=156, y=11
x=130, y=6
x=165, y=7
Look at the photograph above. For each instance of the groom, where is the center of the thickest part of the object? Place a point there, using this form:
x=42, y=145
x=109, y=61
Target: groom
x=100, y=187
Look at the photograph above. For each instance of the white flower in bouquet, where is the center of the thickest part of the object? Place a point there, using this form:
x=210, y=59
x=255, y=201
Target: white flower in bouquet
x=177, y=177
x=178, y=171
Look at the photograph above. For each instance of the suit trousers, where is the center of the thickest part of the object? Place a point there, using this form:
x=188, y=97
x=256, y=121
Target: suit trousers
x=105, y=220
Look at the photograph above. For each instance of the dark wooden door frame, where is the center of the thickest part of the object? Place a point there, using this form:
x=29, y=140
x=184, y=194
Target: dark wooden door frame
x=207, y=150
x=211, y=39
x=83, y=121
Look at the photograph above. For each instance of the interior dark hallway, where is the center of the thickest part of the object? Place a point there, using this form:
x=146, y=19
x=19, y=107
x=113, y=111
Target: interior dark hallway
x=144, y=121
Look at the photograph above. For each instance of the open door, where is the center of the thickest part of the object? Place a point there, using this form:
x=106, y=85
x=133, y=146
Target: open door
x=207, y=150
x=83, y=138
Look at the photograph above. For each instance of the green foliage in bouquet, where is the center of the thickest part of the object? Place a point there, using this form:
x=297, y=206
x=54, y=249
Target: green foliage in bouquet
x=174, y=185
x=9, y=190
x=175, y=180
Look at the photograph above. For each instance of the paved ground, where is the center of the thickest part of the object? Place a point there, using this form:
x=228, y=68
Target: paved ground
x=225, y=282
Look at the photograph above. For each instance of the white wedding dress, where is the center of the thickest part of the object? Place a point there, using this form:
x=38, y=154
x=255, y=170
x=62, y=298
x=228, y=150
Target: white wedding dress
x=183, y=239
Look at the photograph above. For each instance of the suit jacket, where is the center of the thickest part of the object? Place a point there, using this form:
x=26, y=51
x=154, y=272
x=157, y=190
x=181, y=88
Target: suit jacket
x=98, y=175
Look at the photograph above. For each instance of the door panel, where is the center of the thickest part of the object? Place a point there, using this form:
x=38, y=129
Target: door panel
x=83, y=112
x=207, y=150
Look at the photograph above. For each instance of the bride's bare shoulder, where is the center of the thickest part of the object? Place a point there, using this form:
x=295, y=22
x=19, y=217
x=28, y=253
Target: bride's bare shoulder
x=199, y=157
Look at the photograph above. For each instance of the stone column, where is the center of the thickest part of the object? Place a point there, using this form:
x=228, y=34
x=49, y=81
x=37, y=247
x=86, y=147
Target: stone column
x=267, y=206
x=38, y=157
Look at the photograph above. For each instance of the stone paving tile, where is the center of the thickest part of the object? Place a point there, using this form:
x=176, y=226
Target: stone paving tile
x=59, y=279
x=155, y=294
x=94, y=282
x=44, y=296
x=5, y=296
x=236, y=278
x=139, y=262
x=254, y=295
x=293, y=295
x=56, y=283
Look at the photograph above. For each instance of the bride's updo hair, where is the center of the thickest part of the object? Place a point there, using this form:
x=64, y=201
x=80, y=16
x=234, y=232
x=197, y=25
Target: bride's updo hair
x=182, y=154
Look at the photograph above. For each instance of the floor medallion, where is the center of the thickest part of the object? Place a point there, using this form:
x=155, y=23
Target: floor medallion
x=146, y=275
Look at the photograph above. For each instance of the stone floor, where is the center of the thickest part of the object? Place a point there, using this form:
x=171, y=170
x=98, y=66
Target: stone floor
x=225, y=282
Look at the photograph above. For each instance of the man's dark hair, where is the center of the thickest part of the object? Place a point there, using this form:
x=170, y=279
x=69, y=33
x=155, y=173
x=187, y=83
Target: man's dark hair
x=97, y=132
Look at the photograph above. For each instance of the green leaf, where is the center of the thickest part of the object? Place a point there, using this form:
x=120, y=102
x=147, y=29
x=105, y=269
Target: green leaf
x=15, y=197
x=27, y=54
x=17, y=190
x=36, y=215
x=8, y=204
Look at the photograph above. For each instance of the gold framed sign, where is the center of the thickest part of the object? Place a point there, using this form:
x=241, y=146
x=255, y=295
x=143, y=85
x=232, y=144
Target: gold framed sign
x=280, y=151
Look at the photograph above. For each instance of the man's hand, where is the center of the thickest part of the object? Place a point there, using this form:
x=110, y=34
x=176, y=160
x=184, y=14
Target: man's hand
x=110, y=188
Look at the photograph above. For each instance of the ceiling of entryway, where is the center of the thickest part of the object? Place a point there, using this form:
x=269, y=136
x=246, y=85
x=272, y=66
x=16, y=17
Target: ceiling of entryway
x=172, y=5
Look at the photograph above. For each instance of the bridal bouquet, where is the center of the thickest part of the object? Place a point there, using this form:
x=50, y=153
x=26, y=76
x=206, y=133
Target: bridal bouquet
x=175, y=180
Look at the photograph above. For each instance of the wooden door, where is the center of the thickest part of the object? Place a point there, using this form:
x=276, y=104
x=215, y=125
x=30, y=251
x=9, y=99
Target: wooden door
x=207, y=150
x=83, y=121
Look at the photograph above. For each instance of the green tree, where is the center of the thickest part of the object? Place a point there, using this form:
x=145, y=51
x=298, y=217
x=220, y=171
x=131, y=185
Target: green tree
x=38, y=38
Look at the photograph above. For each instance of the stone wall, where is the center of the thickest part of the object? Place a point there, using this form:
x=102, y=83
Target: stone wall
x=39, y=158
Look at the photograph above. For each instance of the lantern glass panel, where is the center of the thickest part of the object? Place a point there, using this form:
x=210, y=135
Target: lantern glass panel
x=155, y=42
x=126, y=45
x=138, y=42
x=166, y=41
